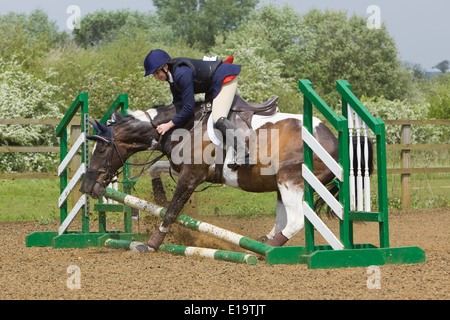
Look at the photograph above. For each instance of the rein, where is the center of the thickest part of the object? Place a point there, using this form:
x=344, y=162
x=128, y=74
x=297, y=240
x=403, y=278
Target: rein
x=145, y=166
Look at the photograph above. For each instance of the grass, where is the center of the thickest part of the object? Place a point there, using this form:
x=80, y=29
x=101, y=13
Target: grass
x=34, y=199
x=427, y=191
x=217, y=200
x=38, y=199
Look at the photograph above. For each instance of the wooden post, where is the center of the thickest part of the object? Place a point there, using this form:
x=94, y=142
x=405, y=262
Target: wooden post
x=405, y=164
x=75, y=131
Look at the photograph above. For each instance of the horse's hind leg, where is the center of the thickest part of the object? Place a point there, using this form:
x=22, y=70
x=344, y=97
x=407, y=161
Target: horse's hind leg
x=291, y=196
x=155, y=171
x=280, y=220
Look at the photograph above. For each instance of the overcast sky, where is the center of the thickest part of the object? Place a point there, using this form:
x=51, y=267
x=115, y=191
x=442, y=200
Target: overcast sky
x=420, y=27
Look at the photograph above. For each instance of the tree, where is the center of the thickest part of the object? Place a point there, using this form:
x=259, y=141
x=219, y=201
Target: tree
x=322, y=47
x=200, y=21
x=347, y=49
x=27, y=37
x=98, y=26
x=443, y=66
x=107, y=26
x=416, y=70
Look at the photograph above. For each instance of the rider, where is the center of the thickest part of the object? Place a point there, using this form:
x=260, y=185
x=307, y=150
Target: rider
x=217, y=79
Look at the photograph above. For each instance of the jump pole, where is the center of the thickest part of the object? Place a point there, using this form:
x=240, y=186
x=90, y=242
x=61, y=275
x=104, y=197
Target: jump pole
x=191, y=223
x=230, y=256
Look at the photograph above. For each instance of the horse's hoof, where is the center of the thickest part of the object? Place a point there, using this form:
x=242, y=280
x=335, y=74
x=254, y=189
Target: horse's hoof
x=263, y=239
x=278, y=240
x=144, y=248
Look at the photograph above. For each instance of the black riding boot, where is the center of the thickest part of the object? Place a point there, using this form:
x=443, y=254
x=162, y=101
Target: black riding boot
x=229, y=134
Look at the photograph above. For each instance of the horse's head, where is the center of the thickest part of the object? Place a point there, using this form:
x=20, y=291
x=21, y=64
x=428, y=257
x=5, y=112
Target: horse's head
x=115, y=143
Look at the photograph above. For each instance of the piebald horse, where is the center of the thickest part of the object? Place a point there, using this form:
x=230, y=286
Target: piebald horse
x=276, y=151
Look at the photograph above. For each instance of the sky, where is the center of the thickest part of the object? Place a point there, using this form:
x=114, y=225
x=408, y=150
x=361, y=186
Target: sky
x=419, y=27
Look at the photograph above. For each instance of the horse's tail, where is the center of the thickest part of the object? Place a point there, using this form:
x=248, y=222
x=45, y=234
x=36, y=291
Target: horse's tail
x=320, y=206
x=333, y=187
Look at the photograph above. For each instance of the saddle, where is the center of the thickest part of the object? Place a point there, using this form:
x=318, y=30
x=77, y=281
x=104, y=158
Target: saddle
x=242, y=112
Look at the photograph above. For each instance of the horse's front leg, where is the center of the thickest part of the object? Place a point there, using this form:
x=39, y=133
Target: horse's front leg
x=187, y=183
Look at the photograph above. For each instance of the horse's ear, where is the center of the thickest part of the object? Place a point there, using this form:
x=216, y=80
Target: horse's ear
x=104, y=130
x=94, y=125
x=101, y=129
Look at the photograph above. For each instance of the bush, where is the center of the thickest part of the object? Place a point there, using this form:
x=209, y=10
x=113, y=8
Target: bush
x=437, y=93
x=106, y=26
x=24, y=96
x=396, y=110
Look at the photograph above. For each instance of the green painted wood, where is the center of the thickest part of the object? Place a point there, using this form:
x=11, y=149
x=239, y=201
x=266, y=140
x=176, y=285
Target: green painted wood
x=236, y=257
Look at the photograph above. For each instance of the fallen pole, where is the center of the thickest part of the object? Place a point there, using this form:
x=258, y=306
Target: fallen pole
x=191, y=223
x=230, y=256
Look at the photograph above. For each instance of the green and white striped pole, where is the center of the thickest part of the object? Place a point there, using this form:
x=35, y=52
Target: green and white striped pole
x=230, y=256
x=191, y=223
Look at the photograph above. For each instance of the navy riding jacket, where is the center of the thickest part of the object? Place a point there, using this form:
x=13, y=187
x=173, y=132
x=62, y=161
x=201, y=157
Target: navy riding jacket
x=183, y=89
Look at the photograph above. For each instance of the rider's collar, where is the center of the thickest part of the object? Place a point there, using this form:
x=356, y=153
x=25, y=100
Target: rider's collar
x=169, y=77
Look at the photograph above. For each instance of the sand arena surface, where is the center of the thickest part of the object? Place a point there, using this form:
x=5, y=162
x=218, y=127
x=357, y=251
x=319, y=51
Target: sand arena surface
x=41, y=273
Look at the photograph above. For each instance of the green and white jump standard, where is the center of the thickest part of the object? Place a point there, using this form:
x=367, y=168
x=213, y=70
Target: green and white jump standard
x=207, y=253
x=63, y=238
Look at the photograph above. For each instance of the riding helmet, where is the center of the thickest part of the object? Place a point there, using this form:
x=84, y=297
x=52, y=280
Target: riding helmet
x=155, y=60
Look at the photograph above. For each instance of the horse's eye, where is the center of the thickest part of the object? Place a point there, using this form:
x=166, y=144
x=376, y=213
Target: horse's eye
x=101, y=150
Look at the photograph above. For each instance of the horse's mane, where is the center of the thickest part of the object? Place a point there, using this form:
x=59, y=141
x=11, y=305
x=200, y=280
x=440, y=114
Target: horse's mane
x=163, y=110
x=120, y=119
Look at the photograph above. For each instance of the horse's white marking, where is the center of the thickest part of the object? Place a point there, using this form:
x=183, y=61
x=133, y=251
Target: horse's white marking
x=140, y=115
x=293, y=220
x=259, y=121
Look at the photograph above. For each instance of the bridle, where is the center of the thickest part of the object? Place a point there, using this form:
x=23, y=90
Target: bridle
x=109, y=176
x=145, y=166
